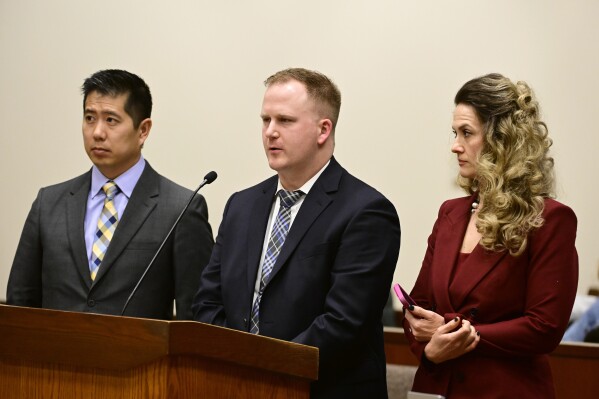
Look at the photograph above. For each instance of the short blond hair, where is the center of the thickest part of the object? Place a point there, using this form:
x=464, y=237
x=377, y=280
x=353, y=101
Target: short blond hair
x=320, y=88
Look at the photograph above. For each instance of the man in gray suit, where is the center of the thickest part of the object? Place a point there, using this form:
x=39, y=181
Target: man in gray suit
x=87, y=241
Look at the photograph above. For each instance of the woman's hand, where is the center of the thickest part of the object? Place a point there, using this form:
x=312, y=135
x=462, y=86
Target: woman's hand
x=423, y=323
x=448, y=343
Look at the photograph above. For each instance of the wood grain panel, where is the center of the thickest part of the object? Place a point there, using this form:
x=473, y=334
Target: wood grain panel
x=54, y=354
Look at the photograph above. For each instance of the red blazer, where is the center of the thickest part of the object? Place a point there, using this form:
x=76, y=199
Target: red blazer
x=520, y=305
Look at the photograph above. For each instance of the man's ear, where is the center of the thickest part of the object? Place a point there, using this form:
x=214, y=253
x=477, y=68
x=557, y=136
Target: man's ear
x=326, y=130
x=144, y=130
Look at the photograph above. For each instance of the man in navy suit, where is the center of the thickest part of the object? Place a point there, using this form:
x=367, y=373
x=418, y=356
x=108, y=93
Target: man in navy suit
x=55, y=265
x=319, y=274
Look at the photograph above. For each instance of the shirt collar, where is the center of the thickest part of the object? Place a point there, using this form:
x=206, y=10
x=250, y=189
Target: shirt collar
x=307, y=185
x=125, y=181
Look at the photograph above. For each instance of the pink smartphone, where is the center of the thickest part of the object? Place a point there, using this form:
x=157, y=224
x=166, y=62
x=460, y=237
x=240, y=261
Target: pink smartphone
x=403, y=296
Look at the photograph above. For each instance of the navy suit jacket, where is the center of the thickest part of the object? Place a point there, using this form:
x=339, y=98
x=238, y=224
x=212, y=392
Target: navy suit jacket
x=51, y=268
x=329, y=284
x=520, y=305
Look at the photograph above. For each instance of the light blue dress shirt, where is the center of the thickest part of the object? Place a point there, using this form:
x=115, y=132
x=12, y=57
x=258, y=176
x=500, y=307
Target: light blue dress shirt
x=95, y=201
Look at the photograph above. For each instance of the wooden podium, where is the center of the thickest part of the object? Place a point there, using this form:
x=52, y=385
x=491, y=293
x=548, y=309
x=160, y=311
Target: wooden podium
x=56, y=354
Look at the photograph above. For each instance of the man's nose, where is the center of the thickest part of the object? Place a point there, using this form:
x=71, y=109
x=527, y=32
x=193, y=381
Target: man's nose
x=99, y=131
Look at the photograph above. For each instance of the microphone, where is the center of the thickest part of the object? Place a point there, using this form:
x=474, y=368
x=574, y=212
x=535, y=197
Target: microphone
x=209, y=178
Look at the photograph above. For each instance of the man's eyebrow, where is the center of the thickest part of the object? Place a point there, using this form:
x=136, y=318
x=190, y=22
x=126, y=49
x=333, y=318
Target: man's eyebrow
x=284, y=116
x=277, y=116
x=107, y=112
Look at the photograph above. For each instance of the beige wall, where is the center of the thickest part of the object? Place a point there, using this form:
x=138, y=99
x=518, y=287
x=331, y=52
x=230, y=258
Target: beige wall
x=398, y=64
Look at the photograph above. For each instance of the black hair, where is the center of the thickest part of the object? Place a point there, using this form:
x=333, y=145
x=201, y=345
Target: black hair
x=114, y=82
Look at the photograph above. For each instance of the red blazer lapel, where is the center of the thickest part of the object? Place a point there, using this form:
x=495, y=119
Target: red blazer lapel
x=478, y=265
x=449, y=239
x=461, y=281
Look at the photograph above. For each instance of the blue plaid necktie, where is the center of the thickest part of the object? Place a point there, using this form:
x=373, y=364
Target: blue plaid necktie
x=107, y=223
x=275, y=243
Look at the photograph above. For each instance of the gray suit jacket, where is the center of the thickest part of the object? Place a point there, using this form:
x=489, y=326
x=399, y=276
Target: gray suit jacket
x=51, y=269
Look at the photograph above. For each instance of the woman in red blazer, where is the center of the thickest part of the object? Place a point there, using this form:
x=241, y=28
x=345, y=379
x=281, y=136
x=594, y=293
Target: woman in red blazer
x=500, y=274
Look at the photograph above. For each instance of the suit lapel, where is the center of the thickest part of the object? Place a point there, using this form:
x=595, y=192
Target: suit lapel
x=472, y=271
x=143, y=200
x=76, y=207
x=257, y=228
x=448, y=244
x=316, y=201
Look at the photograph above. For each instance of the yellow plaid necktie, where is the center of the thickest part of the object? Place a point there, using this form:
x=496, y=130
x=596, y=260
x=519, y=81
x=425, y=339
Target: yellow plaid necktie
x=106, y=225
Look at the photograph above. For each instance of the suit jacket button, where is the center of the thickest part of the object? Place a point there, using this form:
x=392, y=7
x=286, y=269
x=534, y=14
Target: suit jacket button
x=91, y=303
x=473, y=312
x=245, y=322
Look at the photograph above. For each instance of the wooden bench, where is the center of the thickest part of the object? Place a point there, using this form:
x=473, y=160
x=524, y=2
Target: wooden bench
x=575, y=366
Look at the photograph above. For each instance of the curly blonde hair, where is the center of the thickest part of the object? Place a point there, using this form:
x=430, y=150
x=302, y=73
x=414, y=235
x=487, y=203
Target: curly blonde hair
x=514, y=173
